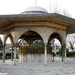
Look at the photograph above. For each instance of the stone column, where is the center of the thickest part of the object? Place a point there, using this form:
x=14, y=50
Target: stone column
x=12, y=54
x=4, y=54
x=19, y=54
x=45, y=51
x=15, y=45
x=64, y=53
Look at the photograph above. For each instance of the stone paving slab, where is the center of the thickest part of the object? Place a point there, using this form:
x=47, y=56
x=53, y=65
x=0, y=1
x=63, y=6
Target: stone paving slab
x=53, y=68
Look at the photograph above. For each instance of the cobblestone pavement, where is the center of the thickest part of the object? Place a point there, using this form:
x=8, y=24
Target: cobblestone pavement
x=52, y=68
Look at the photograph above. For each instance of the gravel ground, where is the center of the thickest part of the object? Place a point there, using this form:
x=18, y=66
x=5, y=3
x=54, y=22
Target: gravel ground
x=30, y=68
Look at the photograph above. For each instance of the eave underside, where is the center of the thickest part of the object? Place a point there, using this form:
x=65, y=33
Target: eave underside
x=34, y=23
x=49, y=20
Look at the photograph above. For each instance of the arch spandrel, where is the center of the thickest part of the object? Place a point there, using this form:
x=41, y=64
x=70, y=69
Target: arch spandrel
x=20, y=31
x=5, y=36
x=44, y=32
x=61, y=36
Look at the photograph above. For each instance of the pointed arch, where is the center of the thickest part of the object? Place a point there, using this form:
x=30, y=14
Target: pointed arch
x=58, y=36
x=30, y=32
x=11, y=38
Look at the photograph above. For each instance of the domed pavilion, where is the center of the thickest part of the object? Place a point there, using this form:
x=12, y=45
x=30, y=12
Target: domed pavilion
x=32, y=32
x=35, y=10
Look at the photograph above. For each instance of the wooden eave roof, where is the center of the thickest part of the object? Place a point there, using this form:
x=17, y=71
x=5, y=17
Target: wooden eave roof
x=7, y=19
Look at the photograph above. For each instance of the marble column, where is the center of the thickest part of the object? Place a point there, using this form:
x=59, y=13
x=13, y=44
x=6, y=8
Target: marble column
x=15, y=45
x=4, y=54
x=64, y=53
x=12, y=54
x=45, y=52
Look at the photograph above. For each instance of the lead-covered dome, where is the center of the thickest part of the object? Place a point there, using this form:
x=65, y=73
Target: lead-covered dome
x=35, y=10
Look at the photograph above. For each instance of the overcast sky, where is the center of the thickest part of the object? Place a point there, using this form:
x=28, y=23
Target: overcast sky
x=18, y=6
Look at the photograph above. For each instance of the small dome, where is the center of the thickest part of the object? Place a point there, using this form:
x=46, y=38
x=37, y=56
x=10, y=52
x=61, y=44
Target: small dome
x=35, y=10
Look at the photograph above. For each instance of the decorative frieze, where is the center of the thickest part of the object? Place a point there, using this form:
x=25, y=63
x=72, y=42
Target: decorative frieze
x=48, y=23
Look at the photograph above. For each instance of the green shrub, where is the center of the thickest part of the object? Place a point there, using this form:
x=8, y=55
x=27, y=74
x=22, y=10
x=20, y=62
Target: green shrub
x=0, y=54
x=60, y=51
x=71, y=54
x=8, y=54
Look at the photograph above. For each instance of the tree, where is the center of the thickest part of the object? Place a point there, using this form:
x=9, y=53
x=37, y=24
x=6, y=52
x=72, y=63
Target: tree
x=1, y=45
x=38, y=43
x=55, y=8
x=60, y=51
x=70, y=41
x=71, y=45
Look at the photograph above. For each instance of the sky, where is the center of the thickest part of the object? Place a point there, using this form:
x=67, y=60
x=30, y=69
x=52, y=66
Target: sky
x=18, y=6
